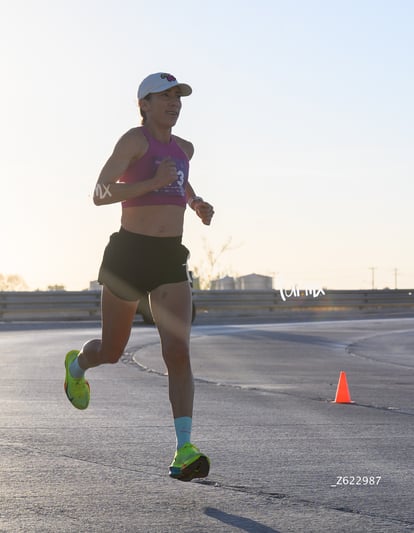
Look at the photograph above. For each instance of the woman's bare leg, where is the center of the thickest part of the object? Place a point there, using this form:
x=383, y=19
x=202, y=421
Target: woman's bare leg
x=117, y=319
x=171, y=309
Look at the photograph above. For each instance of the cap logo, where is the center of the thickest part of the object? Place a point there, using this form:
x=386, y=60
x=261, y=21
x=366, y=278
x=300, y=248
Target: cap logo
x=168, y=77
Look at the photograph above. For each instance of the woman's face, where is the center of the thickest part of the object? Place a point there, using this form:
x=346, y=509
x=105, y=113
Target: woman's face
x=163, y=108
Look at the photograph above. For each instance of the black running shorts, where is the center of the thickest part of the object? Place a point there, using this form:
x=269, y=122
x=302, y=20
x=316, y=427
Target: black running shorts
x=133, y=265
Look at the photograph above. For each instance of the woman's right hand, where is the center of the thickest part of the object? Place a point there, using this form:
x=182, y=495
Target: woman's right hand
x=166, y=173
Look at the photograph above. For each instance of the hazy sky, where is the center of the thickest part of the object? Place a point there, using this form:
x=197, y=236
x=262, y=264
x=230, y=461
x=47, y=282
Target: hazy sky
x=301, y=115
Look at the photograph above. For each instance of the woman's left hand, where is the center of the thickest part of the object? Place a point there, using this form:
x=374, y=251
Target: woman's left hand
x=205, y=211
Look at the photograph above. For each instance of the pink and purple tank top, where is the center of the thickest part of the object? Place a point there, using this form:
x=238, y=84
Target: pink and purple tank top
x=145, y=168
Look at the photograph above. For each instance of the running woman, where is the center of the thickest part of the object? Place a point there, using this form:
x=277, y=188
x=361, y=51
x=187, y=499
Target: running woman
x=148, y=173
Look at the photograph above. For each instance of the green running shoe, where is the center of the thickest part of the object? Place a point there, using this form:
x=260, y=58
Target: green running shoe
x=189, y=463
x=77, y=390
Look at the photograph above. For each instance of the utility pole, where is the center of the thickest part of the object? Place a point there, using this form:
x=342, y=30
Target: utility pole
x=373, y=276
x=395, y=278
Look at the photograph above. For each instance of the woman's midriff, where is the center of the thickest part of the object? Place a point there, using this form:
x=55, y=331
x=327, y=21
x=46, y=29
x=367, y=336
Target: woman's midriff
x=154, y=220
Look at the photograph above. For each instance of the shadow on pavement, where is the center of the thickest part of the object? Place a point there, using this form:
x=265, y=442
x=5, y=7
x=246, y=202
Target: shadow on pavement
x=245, y=524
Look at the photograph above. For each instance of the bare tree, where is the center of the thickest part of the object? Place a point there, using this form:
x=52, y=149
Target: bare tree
x=209, y=270
x=12, y=282
x=56, y=287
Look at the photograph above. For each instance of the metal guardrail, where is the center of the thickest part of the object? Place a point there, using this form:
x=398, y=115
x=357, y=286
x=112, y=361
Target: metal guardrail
x=46, y=305
x=318, y=299
x=66, y=305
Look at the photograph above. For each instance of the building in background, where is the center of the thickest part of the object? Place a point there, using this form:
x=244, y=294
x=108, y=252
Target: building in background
x=250, y=282
x=223, y=284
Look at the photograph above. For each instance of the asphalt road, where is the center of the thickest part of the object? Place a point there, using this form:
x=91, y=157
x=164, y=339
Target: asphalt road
x=285, y=458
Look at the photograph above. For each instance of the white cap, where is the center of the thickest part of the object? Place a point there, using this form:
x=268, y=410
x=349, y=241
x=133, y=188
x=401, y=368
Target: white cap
x=161, y=81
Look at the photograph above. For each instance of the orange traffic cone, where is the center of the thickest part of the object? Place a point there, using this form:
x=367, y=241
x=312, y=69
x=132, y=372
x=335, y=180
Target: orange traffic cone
x=342, y=391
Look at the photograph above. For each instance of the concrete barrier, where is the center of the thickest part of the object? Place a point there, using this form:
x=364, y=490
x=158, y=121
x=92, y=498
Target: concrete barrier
x=67, y=305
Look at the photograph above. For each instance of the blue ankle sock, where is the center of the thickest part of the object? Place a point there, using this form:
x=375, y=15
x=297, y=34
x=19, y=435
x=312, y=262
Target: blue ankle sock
x=183, y=426
x=75, y=370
